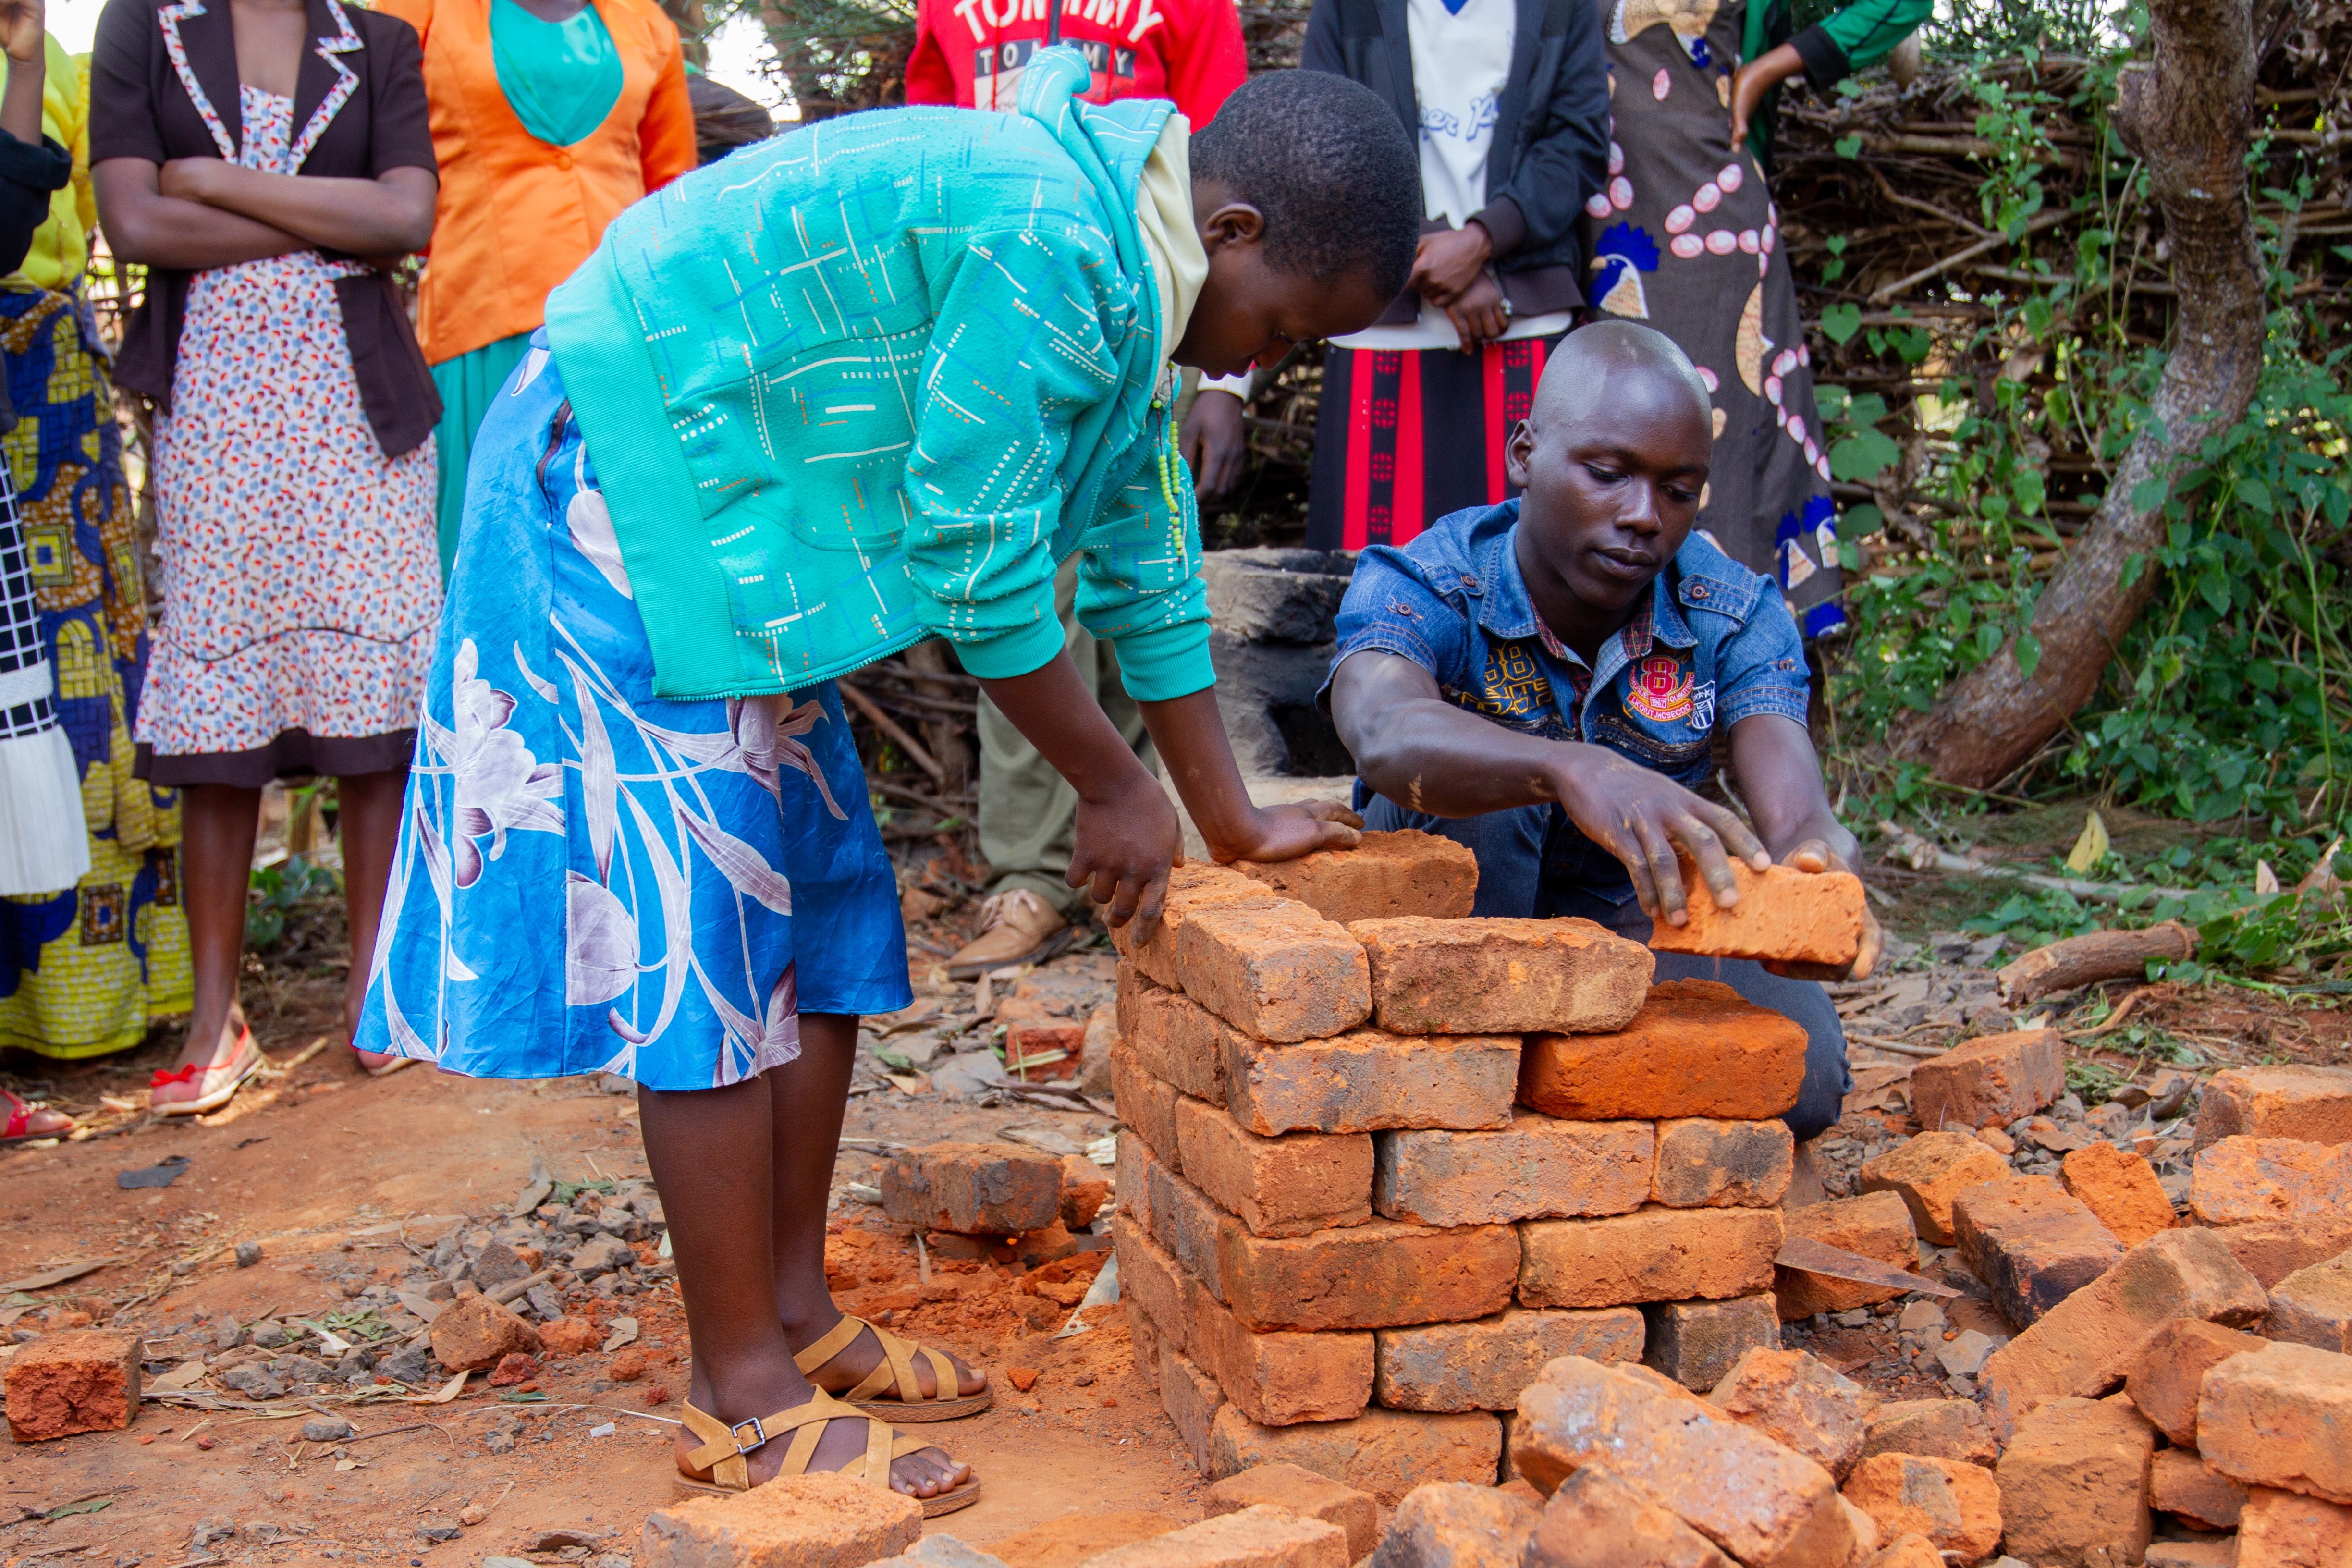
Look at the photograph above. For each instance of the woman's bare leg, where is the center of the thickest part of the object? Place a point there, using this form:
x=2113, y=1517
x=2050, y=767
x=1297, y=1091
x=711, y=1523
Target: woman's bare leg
x=807, y=1098
x=368, y=821
x=217, y=826
x=712, y=1152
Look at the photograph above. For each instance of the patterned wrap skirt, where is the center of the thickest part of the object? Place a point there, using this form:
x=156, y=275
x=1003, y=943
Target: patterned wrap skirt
x=589, y=876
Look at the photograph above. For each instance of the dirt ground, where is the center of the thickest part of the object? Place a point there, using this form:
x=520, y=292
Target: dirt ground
x=344, y=1182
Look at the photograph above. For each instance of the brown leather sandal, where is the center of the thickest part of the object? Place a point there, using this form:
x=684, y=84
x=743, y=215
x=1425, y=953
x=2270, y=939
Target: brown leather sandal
x=890, y=1390
x=724, y=1448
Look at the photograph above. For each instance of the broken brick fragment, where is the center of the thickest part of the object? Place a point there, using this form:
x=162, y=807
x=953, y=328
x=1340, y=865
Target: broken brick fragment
x=1286, y=1185
x=2181, y=1484
x=2167, y=1378
x=973, y=1189
x=513, y=1369
x=2073, y=1482
x=1651, y=1254
x=1538, y=1167
x=792, y=1522
x=2277, y=1417
x=1695, y=1048
x=71, y=1381
x=2270, y=1249
x=2030, y=1244
x=1938, y=1428
x=2283, y=1530
x=2240, y=1179
x=1367, y=1080
x=1781, y=913
x=2314, y=1306
x=2090, y=1343
x=2121, y=1188
x=1304, y=1493
x=1258, y=1537
x=1085, y=1190
x=1876, y=1226
x=1709, y=1162
x=1485, y=976
x=1403, y=872
x=1954, y=1504
x=1457, y=1524
x=1484, y=1364
x=1990, y=1081
x=1384, y=1452
x=1928, y=1172
x=476, y=1333
x=1596, y=1520
x=2292, y=1101
x=1799, y=1402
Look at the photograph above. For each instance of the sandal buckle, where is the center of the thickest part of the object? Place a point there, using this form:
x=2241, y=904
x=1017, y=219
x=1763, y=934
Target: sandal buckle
x=758, y=1435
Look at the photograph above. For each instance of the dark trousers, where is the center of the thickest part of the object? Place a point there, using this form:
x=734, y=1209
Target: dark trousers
x=1530, y=863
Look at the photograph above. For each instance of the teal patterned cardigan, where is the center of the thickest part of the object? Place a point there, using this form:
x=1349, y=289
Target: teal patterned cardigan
x=871, y=382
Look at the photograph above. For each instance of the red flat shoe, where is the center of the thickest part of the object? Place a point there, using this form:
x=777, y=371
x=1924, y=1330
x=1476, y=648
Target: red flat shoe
x=20, y=1129
x=216, y=1085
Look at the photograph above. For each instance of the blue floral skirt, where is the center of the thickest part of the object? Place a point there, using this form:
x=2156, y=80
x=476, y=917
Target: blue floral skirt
x=590, y=878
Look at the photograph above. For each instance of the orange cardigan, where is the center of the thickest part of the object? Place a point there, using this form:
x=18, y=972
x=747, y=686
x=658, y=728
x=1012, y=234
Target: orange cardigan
x=515, y=215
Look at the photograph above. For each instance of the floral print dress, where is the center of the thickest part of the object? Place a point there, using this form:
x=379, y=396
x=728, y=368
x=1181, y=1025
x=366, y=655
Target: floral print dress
x=589, y=876
x=300, y=576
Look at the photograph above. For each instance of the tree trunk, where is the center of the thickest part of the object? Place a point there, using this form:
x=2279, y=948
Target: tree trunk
x=2187, y=113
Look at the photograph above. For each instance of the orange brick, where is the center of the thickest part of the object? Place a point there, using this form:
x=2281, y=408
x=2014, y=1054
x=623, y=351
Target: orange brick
x=72, y=1381
x=2089, y=1342
x=1281, y=1378
x=2240, y=1179
x=2120, y=1187
x=1085, y=1190
x=1192, y=886
x=1990, y=1081
x=1406, y=872
x=1384, y=1452
x=1151, y=1278
x=1942, y=1429
x=1368, y=1080
x=1501, y=976
x=2281, y=1530
x=1258, y=1537
x=2277, y=1417
x=2314, y=1306
x=1185, y=1222
x=1695, y=1048
x=793, y=1522
x=2074, y=1480
x=1279, y=974
x=2270, y=1249
x=1652, y=1255
x=1289, y=1185
x=1876, y=1225
x=1369, y=1276
x=1763, y=1504
x=1144, y=1339
x=1798, y=1402
x=1954, y=1504
x=1928, y=1172
x=1304, y=1493
x=1706, y=1163
x=2311, y=1103
x=1800, y=917
x=1458, y=1524
x=1697, y=1344
x=1193, y=1400
x=2030, y=1244
x=1538, y=1168
x=1032, y=1036
x=1485, y=1366
x=1176, y=1040
x=1596, y=1520
x=2180, y=1483
x=2167, y=1377
x=973, y=1189
x=1147, y=1104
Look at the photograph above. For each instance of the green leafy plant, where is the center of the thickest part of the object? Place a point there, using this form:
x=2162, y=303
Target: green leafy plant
x=275, y=892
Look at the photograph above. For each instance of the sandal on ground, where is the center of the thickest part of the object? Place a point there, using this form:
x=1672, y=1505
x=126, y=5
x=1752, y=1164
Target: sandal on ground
x=384, y=1068
x=724, y=1449
x=20, y=1126
x=890, y=1390
x=216, y=1085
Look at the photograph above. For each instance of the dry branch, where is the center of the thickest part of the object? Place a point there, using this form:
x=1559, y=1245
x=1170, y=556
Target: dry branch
x=2085, y=960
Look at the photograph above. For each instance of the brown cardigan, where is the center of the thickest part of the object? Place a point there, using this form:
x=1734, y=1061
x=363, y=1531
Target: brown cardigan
x=359, y=110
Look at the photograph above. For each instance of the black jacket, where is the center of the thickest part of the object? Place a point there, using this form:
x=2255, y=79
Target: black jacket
x=1551, y=131
x=28, y=176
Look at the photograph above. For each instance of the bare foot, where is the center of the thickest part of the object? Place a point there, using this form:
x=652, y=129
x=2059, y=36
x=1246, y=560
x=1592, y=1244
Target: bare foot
x=222, y=1049
x=850, y=1364
x=924, y=1473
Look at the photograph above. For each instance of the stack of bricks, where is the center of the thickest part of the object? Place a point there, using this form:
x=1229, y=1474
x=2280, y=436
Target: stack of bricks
x=1383, y=1161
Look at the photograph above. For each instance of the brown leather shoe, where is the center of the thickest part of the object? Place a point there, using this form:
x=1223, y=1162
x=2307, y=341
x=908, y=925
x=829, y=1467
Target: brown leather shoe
x=1016, y=926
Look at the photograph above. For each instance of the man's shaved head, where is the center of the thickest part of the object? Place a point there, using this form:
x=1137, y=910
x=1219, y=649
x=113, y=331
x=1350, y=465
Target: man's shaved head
x=1578, y=373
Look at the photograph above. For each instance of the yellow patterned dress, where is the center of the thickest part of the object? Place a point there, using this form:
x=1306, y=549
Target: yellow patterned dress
x=82, y=971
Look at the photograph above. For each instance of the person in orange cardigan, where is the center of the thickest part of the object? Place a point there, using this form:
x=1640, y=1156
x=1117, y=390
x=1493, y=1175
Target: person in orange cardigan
x=549, y=117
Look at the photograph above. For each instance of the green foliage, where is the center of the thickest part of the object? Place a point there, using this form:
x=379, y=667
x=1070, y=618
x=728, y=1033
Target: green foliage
x=275, y=892
x=2095, y=1081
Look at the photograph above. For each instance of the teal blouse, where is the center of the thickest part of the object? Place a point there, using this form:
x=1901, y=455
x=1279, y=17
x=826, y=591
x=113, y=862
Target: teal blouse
x=561, y=79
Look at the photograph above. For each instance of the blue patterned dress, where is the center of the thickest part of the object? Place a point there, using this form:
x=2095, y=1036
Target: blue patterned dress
x=590, y=878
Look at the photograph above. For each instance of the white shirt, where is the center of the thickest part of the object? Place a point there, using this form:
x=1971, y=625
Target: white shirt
x=1461, y=62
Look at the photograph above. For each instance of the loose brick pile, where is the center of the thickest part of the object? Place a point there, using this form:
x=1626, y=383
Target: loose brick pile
x=1383, y=1161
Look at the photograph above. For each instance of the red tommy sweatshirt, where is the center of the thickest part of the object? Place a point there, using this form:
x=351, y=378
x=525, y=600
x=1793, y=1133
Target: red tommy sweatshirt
x=972, y=52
